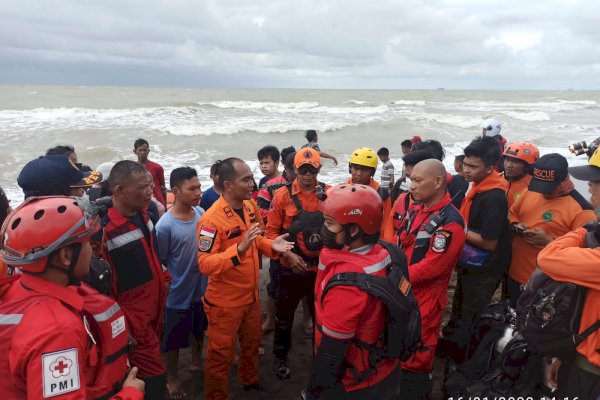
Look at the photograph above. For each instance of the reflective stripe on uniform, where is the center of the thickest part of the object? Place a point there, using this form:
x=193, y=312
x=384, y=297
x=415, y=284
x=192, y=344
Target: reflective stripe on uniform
x=423, y=235
x=321, y=267
x=10, y=319
x=150, y=225
x=371, y=269
x=336, y=335
x=103, y=316
x=124, y=239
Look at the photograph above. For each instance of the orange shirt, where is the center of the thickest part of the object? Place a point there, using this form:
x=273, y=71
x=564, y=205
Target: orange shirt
x=388, y=231
x=557, y=217
x=516, y=189
x=283, y=211
x=233, y=277
x=387, y=204
x=566, y=260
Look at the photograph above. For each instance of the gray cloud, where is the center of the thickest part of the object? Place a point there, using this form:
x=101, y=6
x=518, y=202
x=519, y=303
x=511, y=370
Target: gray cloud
x=338, y=43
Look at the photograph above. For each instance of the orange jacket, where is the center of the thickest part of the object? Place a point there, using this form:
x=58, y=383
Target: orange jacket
x=516, y=189
x=283, y=211
x=395, y=216
x=556, y=217
x=387, y=204
x=233, y=277
x=566, y=260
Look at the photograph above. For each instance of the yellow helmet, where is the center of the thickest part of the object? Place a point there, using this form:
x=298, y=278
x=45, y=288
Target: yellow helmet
x=364, y=156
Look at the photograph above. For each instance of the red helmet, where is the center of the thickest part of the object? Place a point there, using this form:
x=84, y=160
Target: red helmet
x=355, y=204
x=524, y=151
x=42, y=225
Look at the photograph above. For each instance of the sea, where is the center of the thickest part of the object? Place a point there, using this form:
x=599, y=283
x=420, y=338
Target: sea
x=196, y=127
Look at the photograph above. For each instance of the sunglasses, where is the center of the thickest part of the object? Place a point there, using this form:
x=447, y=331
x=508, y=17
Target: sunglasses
x=307, y=169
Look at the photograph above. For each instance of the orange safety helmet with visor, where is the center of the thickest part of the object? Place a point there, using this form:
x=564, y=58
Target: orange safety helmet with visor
x=524, y=151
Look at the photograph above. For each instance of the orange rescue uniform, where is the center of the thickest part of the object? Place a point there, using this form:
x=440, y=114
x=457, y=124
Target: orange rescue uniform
x=566, y=260
x=231, y=300
x=516, y=189
x=556, y=217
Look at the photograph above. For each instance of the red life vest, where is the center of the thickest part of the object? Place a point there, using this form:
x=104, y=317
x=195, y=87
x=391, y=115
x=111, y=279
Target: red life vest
x=102, y=318
x=373, y=321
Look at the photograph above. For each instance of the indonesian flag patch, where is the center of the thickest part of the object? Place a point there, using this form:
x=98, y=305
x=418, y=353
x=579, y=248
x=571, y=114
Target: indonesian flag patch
x=206, y=230
x=206, y=239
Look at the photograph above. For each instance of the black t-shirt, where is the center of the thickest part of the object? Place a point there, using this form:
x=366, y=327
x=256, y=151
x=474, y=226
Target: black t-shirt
x=489, y=218
x=457, y=189
x=240, y=212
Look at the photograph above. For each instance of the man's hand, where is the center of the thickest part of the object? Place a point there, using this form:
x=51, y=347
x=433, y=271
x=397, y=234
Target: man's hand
x=334, y=161
x=133, y=381
x=537, y=237
x=281, y=245
x=248, y=238
x=552, y=374
x=296, y=262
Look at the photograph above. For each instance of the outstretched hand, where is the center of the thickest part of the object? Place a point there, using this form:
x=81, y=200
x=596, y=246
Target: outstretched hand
x=281, y=245
x=248, y=238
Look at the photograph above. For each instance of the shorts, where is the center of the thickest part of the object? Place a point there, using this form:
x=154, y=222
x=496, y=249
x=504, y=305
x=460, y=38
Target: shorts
x=179, y=324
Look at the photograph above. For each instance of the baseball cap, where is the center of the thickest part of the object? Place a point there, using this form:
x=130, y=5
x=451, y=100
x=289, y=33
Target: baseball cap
x=590, y=172
x=548, y=172
x=416, y=139
x=49, y=174
x=307, y=156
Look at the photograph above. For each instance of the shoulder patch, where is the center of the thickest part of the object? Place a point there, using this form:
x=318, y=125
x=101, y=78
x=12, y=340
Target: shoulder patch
x=60, y=372
x=440, y=241
x=209, y=231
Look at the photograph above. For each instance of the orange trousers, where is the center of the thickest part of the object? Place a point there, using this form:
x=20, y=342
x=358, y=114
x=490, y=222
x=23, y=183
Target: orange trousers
x=225, y=324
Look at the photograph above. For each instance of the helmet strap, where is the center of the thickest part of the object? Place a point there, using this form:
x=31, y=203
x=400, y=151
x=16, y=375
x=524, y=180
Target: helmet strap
x=76, y=251
x=348, y=239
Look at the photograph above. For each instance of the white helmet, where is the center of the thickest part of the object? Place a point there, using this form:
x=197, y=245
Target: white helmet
x=492, y=126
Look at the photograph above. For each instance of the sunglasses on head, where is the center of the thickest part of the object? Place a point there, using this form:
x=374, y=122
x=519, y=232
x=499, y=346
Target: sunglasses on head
x=307, y=169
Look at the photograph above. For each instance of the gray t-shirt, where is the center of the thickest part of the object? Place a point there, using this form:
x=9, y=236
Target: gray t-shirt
x=387, y=173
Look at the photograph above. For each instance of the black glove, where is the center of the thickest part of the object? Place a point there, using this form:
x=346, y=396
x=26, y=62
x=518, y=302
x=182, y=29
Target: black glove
x=326, y=366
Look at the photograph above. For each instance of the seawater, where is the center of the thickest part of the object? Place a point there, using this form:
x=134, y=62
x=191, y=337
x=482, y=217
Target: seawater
x=195, y=127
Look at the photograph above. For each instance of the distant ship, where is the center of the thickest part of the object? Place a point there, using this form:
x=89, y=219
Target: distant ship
x=441, y=88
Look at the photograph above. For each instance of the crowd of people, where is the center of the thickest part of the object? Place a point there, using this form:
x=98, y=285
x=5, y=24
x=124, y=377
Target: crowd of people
x=107, y=274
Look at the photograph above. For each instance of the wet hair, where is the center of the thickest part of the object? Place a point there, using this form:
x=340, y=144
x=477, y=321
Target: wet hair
x=139, y=143
x=122, y=172
x=433, y=147
x=3, y=206
x=61, y=150
x=415, y=157
x=383, y=152
x=214, y=169
x=285, y=151
x=227, y=171
x=486, y=148
x=310, y=135
x=268, y=151
x=406, y=143
x=180, y=175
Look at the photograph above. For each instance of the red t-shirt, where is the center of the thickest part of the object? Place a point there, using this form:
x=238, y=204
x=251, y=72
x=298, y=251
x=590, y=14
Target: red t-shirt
x=158, y=174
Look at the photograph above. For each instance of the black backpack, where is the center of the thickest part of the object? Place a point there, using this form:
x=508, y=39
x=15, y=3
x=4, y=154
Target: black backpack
x=549, y=312
x=402, y=337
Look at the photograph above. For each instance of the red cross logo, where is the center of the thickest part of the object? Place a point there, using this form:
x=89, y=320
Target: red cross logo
x=61, y=367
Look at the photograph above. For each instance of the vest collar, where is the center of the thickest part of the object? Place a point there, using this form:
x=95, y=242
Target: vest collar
x=65, y=294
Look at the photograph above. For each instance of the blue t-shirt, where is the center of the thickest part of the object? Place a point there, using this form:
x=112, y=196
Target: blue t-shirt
x=208, y=198
x=178, y=249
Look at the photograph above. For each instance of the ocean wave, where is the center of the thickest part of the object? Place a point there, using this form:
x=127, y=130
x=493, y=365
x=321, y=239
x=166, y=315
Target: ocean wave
x=263, y=105
x=457, y=121
x=420, y=103
x=357, y=102
x=489, y=107
x=530, y=116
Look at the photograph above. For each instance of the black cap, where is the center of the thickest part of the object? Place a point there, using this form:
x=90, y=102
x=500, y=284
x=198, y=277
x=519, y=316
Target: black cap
x=48, y=174
x=548, y=172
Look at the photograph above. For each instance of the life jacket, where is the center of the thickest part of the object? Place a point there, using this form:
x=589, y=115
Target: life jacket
x=390, y=284
x=549, y=313
x=305, y=231
x=103, y=320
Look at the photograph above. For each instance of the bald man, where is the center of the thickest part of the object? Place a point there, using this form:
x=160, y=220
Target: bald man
x=432, y=236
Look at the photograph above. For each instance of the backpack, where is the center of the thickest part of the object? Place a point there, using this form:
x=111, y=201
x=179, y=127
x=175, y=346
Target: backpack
x=402, y=337
x=305, y=231
x=549, y=312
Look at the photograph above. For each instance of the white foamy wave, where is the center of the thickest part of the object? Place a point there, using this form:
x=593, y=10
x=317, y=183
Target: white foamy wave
x=419, y=103
x=263, y=105
x=528, y=116
x=458, y=121
x=357, y=102
x=490, y=107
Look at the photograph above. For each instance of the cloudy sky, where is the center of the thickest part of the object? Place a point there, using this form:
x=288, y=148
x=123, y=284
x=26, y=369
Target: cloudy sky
x=458, y=44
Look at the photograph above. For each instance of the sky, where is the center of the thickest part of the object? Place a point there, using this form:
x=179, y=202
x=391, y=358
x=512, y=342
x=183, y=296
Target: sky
x=338, y=44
